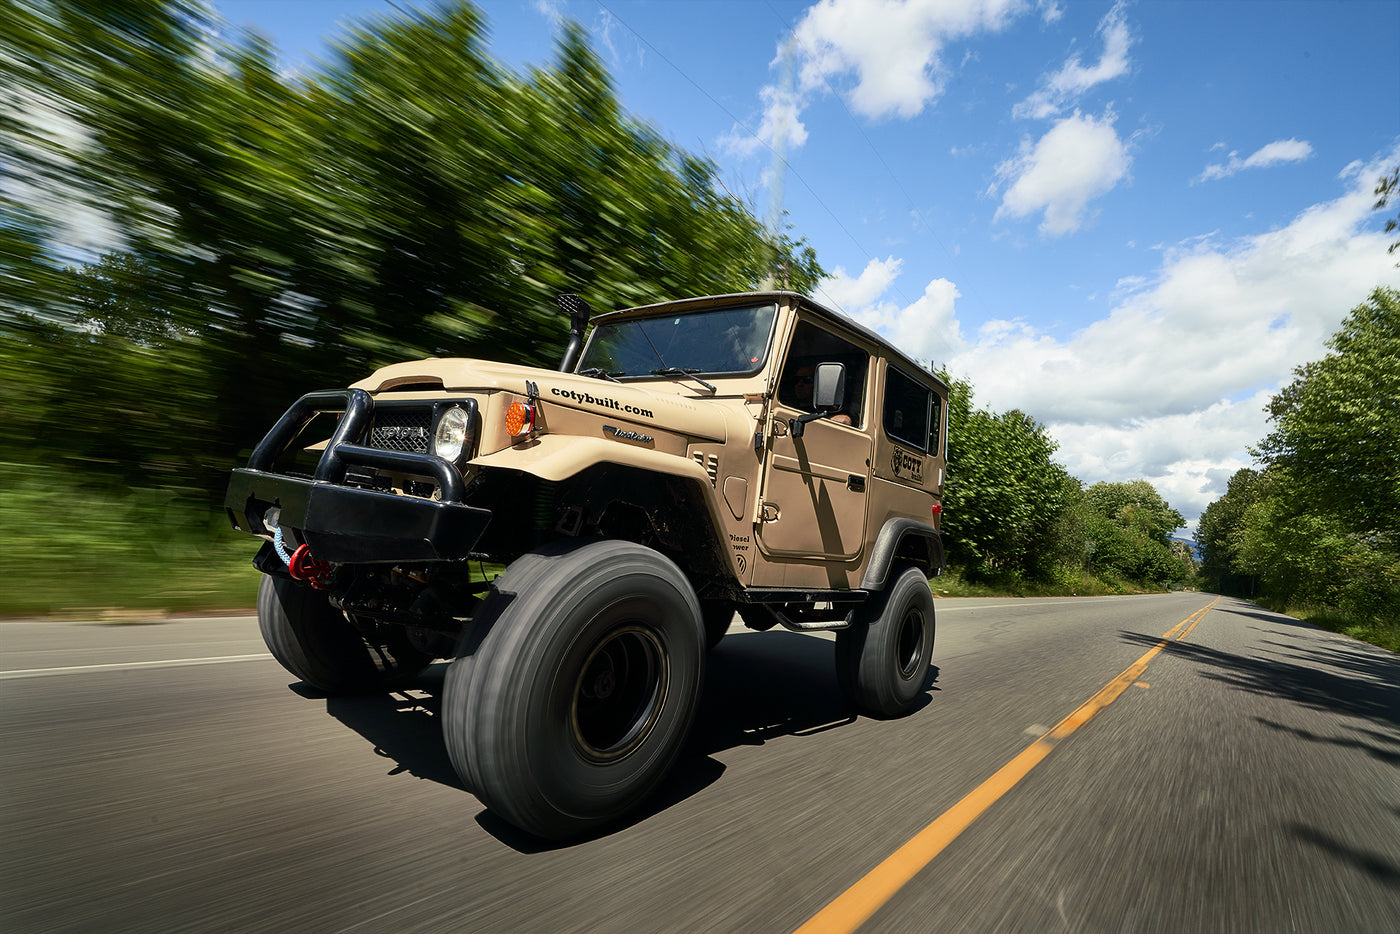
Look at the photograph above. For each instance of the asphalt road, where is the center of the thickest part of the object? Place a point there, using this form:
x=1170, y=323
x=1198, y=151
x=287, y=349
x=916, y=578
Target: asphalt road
x=171, y=777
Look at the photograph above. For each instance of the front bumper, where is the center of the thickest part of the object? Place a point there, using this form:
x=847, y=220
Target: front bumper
x=344, y=524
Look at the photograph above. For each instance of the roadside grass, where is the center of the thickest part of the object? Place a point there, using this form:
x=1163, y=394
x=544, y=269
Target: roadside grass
x=81, y=553
x=1384, y=633
x=68, y=552
x=955, y=582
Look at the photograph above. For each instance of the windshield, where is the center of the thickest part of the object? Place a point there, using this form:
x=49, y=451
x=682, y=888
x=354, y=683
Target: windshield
x=729, y=340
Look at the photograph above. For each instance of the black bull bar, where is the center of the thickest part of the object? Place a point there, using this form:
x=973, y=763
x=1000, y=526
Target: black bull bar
x=350, y=525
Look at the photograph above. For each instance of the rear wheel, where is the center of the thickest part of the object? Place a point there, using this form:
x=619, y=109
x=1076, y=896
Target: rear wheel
x=314, y=641
x=585, y=666
x=883, y=658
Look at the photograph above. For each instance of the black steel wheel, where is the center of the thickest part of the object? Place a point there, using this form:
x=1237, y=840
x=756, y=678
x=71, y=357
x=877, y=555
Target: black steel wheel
x=577, y=685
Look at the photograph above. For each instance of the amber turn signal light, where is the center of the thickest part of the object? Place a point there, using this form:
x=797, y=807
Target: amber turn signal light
x=520, y=418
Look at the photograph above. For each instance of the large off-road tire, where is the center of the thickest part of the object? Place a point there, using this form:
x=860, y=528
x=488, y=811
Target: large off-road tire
x=716, y=616
x=578, y=684
x=314, y=641
x=883, y=658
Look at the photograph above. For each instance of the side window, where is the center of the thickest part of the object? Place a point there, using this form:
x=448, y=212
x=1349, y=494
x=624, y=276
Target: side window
x=812, y=345
x=911, y=412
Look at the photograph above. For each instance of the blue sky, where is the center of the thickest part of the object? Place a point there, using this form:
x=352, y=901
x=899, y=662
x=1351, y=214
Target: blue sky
x=1130, y=220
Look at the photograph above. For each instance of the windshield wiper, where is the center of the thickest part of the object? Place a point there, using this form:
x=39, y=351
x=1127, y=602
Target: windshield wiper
x=600, y=373
x=688, y=374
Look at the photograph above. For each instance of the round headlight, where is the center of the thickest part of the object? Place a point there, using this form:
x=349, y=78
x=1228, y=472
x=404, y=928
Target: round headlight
x=451, y=433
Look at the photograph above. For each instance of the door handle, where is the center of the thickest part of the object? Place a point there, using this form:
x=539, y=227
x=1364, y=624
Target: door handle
x=855, y=484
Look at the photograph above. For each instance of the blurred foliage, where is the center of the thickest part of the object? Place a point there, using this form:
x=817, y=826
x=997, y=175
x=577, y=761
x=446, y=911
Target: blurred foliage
x=1318, y=528
x=1389, y=187
x=409, y=197
x=87, y=553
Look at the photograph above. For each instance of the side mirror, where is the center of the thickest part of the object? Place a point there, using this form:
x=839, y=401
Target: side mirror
x=828, y=395
x=829, y=387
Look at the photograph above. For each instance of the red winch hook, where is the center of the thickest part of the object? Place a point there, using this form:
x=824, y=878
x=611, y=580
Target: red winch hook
x=314, y=571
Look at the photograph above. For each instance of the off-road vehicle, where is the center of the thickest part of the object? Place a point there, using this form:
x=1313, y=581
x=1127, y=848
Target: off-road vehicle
x=752, y=453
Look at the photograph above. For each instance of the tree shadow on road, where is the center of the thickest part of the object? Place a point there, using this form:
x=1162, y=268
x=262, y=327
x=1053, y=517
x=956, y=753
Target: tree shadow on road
x=1333, y=676
x=1345, y=742
x=1325, y=674
x=1254, y=611
x=1373, y=864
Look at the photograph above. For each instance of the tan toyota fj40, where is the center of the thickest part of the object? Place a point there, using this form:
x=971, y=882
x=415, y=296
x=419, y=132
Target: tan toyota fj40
x=752, y=453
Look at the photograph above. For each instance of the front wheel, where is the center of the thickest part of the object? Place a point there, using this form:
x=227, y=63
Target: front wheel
x=883, y=658
x=578, y=686
x=314, y=641
x=716, y=616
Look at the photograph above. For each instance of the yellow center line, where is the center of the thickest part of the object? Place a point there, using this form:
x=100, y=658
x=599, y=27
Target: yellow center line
x=854, y=907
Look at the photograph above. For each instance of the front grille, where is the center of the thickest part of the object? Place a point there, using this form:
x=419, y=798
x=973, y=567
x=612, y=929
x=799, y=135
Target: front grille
x=401, y=429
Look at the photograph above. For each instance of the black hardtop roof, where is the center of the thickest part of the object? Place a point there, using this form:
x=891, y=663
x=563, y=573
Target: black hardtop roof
x=776, y=295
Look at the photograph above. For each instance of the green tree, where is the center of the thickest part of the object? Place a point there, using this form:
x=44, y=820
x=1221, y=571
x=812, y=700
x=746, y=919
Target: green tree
x=1336, y=426
x=1307, y=557
x=1005, y=494
x=1218, y=535
x=1136, y=505
x=1133, y=538
x=1317, y=526
x=409, y=197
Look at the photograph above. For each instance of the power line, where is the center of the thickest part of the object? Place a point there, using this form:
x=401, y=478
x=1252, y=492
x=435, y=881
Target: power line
x=743, y=123
x=908, y=199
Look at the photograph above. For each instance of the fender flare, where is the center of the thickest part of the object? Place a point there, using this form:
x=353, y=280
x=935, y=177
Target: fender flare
x=908, y=539
x=561, y=458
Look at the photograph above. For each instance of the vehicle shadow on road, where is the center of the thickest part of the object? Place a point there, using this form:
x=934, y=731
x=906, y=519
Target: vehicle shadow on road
x=758, y=687
x=403, y=727
x=762, y=686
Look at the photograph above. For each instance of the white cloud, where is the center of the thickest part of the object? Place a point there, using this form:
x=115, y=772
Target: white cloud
x=1050, y=11
x=1075, y=78
x=893, y=48
x=552, y=10
x=1171, y=384
x=927, y=330
x=1079, y=159
x=1275, y=153
x=859, y=292
x=781, y=127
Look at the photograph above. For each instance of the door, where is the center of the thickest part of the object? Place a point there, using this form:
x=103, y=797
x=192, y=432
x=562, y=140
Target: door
x=814, y=487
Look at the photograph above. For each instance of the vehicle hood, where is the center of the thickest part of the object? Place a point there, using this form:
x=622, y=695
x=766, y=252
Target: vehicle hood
x=660, y=405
